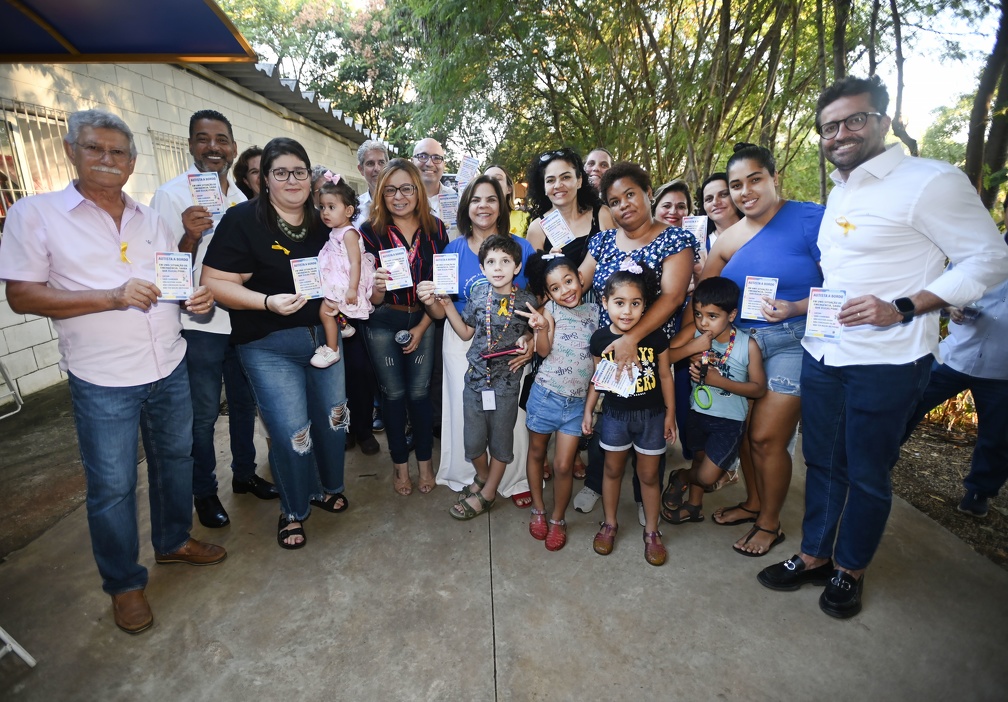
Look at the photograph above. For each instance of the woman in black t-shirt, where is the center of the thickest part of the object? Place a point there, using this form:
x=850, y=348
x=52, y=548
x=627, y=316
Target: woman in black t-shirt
x=398, y=334
x=276, y=331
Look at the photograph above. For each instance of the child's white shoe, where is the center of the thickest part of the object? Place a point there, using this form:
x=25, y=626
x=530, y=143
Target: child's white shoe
x=324, y=357
x=348, y=331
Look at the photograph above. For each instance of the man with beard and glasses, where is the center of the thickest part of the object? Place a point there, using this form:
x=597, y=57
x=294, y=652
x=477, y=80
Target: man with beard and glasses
x=210, y=357
x=891, y=222
x=85, y=257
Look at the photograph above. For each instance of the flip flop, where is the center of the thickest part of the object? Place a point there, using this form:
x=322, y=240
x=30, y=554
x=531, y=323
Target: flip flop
x=752, y=533
x=734, y=522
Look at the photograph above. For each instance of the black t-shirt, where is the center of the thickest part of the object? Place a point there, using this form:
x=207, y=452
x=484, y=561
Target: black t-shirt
x=241, y=244
x=648, y=393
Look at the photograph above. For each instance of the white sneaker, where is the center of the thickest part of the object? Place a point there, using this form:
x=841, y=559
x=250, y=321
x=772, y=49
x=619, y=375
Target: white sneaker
x=324, y=357
x=640, y=514
x=348, y=331
x=585, y=500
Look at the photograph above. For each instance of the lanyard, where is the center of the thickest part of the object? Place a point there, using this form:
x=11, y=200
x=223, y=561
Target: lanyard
x=506, y=308
x=701, y=394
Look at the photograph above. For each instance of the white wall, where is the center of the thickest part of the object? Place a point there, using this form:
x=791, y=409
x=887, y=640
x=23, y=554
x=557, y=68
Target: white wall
x=147, y=96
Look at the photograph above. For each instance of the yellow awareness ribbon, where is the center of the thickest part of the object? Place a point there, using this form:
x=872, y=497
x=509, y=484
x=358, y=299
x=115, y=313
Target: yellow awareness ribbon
x=503, y=309
x=122, y=253
x=276, y=247
x=846, y=225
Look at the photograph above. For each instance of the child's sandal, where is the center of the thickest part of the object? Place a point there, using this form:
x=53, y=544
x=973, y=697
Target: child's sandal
x=468, y=511
x=468, y=492
x=556, y=537
x=537, y=525
x=693, y=514
x=604, y=539
x=654, y=550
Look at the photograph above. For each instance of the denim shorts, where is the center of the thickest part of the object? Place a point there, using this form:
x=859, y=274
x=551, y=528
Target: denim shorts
x=489, y=430
x=780, y=345
x=719, y=438
x=643, y=430
x=548, y=411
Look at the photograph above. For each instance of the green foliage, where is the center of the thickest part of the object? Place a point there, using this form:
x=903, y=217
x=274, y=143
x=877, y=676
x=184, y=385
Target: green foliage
x=945, y=139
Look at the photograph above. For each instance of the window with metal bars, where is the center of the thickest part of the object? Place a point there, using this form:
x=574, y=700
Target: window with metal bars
x=171, y=153
x=32, y=159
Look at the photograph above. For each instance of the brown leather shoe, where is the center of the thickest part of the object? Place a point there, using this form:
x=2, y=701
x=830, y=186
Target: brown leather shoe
x=131, y=612
x=194, y=552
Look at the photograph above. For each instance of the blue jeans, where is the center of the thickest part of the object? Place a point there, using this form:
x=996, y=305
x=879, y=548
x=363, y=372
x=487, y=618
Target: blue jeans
x=989, y=466
x=304, y=409
x=404, y=379
x=209, y=360
x=853, y=418
x=107, y=419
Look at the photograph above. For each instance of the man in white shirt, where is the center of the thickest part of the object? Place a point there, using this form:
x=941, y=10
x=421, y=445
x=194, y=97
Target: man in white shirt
x=85, y=258
x=210, y=357
x=429, y=157
x=371, y=159
x=890, y=224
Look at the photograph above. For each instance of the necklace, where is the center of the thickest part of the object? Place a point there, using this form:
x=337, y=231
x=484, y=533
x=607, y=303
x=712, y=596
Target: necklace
x=297, y=234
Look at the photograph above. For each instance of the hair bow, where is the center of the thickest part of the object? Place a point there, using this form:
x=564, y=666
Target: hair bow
x=631, y=265
x=333, y=178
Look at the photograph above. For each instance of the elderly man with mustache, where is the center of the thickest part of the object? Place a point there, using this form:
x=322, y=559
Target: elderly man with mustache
x=85, y=257
x=210, y=358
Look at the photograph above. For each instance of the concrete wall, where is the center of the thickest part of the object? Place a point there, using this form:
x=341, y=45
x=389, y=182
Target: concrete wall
x=147, y=96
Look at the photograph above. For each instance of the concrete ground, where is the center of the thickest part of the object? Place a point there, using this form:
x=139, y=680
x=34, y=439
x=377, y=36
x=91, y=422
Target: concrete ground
x=394, y=600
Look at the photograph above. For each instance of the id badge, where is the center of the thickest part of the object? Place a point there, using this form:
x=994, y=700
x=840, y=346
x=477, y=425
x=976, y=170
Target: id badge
x=489, y=400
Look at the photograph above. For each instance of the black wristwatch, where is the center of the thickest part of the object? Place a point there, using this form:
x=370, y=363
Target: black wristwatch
x=905, y=306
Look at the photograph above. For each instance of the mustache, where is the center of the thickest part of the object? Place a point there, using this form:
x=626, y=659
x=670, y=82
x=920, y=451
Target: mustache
x=106, y=169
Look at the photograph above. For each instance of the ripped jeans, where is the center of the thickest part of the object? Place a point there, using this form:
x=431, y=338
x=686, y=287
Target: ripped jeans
x=304, y=410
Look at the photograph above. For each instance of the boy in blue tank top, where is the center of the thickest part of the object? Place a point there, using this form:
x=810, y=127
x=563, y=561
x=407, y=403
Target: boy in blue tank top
x=726, y=372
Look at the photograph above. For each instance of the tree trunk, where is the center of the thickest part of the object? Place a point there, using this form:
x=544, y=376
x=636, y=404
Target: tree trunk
x=899, y=129
x=821, y=37
x=841, y=12
x=996, y=151
x=980, y=114
x=873, y=36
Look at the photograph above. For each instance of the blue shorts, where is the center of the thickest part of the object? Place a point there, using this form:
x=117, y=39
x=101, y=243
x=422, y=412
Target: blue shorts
x=644, y=430
x=780, y=346
x=717, y=437
x=547, y=411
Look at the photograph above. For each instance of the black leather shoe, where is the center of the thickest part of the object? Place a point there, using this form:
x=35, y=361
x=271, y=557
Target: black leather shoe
x=351, y=441
x=211, y=512
x=793, y=573
x=842, y=596
x=369, y=446
x=263, y=489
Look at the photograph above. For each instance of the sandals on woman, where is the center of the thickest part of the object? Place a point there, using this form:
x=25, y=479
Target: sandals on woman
x=734, y=522
x=579, y=468
x=403, y=486
x=464, y=511
x=285, y=531
x=331, y=503
x=756, y=528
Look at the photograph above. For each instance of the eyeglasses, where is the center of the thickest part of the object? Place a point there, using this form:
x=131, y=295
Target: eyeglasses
x=433, y=158
x=407, y=190
x=283, y=174
x=96, y=152
x=854, y=123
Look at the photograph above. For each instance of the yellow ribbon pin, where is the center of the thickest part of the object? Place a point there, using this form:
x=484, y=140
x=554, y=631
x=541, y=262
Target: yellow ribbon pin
x=122, y=253
x=503, y=309
x=276, y=247
x=846, y=225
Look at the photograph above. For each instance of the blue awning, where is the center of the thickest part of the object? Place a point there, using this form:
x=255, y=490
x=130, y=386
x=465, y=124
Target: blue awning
x=119, y=31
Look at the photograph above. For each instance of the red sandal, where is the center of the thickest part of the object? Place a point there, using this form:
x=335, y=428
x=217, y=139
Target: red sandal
x=537, y=525
x=556, y=537
x=604, y=539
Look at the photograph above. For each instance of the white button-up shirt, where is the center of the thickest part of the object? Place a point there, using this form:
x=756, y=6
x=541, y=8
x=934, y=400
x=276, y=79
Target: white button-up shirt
x=908, y=216
x=69, y=243
x=170, y=200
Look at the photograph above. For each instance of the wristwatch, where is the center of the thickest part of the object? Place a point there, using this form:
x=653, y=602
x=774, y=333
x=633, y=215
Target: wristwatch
x=905, y=306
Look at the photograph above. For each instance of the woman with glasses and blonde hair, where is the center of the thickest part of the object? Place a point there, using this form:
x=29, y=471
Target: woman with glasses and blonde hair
x=398, y=334
x=276, y=331
x=518, y=220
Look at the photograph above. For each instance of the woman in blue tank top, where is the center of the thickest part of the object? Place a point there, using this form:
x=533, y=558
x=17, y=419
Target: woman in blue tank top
x=775, y=242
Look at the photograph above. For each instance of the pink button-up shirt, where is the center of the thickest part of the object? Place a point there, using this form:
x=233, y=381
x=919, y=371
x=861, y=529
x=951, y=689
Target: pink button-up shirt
x=70, y=243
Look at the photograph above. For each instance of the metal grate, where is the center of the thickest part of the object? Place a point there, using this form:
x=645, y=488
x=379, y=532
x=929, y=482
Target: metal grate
x=32, y=159
x=172, y=154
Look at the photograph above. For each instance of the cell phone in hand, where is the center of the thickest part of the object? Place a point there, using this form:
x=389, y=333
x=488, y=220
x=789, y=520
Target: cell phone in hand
x=487, y=355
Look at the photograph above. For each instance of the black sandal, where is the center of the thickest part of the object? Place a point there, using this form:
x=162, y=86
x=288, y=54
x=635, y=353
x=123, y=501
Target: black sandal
x=675, y=493
x=284, y=532
x=734, y=522
x=329, y=503
x=674, y=516
x=779, y=537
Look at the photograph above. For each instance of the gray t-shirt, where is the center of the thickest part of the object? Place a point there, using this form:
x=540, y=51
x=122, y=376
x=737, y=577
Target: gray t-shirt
x=568, y=369
x=505, y=328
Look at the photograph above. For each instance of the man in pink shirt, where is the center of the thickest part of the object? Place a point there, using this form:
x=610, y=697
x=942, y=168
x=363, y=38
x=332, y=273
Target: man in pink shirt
x=84, y=257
